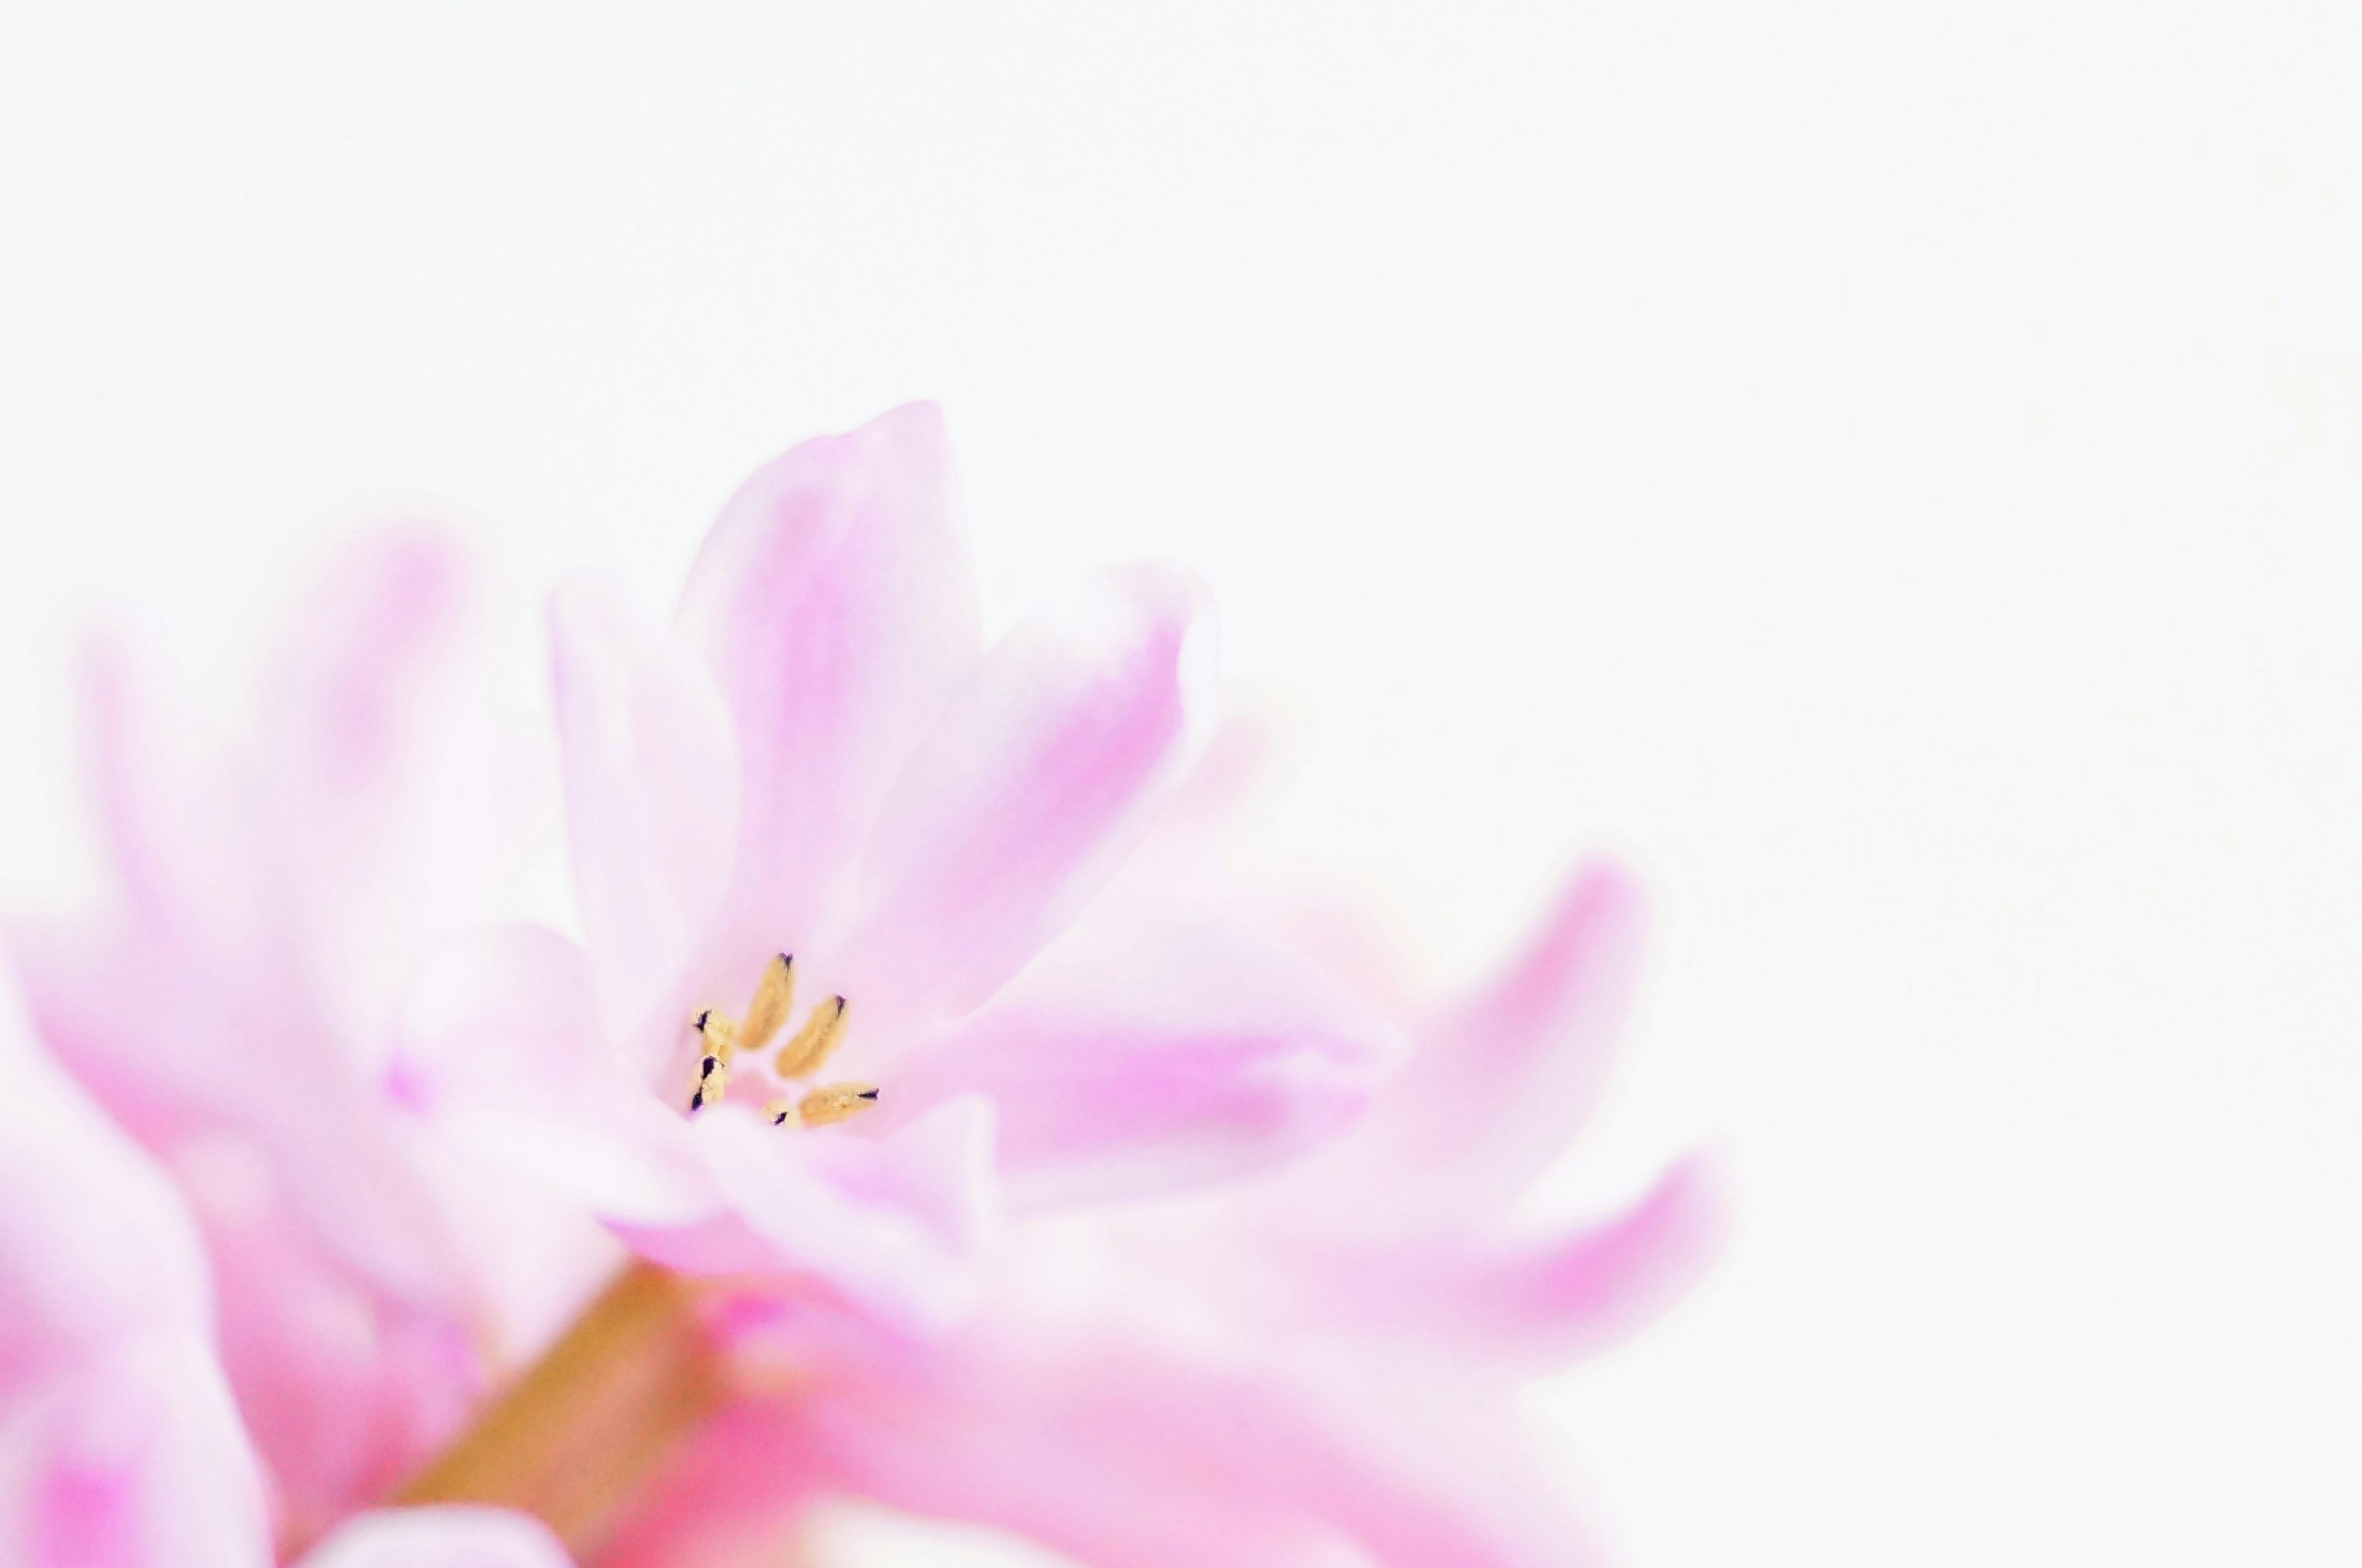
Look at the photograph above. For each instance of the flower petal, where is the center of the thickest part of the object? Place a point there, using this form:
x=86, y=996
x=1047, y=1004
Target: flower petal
x=95, y=1243
x=1153, y=1058
x=1538, y=1306
x=446, y=1536
x=1136, y=1456
x=894, y=1225
x=651, y=770
x=379, y=804
x=118, y=1442
x=135, y=1459
x=1500, y=1082
x=834, y=605
x=1043, y=771
x=158, y=801
x=347, y=1389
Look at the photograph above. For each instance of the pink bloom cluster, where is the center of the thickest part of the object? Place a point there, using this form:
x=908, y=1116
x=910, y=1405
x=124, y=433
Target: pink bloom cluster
x=1032, y=1170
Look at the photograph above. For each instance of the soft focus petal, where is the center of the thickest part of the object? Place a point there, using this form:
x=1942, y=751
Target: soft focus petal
x=345, y=1389
x=343, y=1293
x=134, y=1459
x=118, y=1444
x=652, y=784
x=1149, y=1059
x=94, y=1245
x=1501, y=1082
x=1538, y=1305
x=497, y=1014
x=834, y=605
x=500, y=1049
x=894, y=1225
x=1025, y=798
x=1129, y=1456
x=179, y=1041
x=444, y=1537
x=159, y=804
x=370, y=820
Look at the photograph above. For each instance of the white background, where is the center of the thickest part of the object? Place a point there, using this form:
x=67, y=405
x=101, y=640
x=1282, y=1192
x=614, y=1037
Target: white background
x=1893, y=472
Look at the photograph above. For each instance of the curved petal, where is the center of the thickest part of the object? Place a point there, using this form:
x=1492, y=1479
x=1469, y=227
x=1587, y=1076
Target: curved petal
x=834, y=605
x=651, y=773
x=1500, y=1082
x=894, y=1225
x=1538, y=1306
x=446, y=1536
x=1024, y=798
x=1150, y=1060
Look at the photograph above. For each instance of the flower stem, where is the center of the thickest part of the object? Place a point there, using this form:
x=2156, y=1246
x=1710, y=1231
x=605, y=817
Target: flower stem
x=576, y=1437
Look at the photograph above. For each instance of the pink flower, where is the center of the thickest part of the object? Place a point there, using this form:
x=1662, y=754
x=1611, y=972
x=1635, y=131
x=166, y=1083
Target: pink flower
x=119, y=1445
x=822, y=836
x=239, y=1009
x=1326, y=1354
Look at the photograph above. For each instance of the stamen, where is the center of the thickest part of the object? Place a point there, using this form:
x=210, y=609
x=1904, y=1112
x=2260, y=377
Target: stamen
x=713, y=1081
x=781, y=1112
x=835, y=1102
x=803, y=1055
x=773, y=996
x=721, y=1031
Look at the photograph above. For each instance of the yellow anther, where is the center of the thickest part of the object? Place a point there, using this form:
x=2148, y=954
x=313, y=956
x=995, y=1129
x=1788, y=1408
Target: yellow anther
x=803, y=1054
x=834, y=1103
x=712, y=1086
x=721, y=1031
x=773, y=996
x=781, y=1112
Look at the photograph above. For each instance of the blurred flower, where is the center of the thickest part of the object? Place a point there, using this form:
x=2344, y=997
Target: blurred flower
x=821, y=790
x=238, y=1006
x=119, y=1445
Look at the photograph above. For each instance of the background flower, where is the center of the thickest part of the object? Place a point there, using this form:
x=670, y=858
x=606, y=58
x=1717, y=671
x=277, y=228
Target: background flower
x=119, y=1444
x=237, y=1004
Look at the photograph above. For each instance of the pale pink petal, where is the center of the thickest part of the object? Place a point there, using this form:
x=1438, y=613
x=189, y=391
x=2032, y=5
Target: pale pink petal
x=358, y=824
x=180, y=1040
x=134, y=1459
x=158, y=801
x=498, y=1051
x=1501, y=1082
x=1152, y=1059
x=1128, y=1456
x=118, y=1445
x=344, y=1299
x=498, y=1014
x=652, y=783
x=834, y=605
x=94, y=1245
x=1045, y=769
x=895, y=1225
x=447, y=1536
x=345, y=1389
x=1538, y=1305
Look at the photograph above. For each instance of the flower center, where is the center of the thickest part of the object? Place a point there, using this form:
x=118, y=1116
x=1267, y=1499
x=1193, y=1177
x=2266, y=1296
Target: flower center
x=806, y=1051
